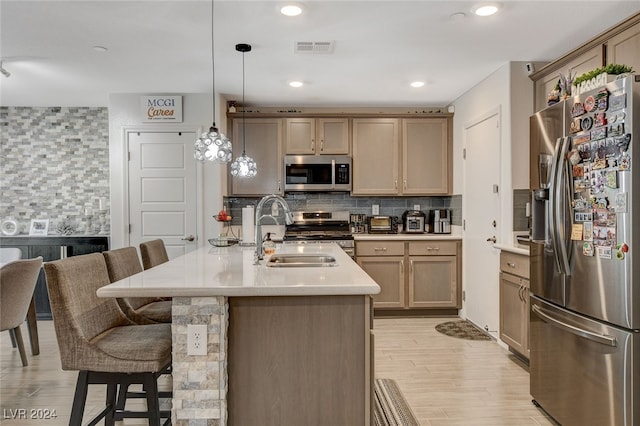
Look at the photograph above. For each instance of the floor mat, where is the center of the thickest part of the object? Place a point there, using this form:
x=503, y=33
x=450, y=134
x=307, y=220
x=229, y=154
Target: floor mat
x=462, y=329
x=391, y=409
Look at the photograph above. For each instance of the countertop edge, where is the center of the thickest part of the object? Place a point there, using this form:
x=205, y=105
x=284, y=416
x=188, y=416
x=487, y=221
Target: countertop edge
x=512, y=249
x=406, y=237
x=243, y=292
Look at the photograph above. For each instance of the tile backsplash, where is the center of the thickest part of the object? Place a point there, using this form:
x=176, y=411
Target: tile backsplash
x=391, y=206
x=55, y=160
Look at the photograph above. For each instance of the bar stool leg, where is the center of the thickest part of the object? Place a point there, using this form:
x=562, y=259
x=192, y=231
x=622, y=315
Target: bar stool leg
x=79, y=399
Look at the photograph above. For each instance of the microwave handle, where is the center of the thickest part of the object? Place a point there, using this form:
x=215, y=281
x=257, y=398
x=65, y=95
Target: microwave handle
x=333, y=174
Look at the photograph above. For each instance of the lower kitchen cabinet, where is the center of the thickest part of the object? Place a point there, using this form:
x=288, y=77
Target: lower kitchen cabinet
x=514, y=302
x=53, y=248
x=413, y=274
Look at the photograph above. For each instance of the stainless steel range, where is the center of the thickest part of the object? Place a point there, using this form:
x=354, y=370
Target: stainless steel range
x=318, y=227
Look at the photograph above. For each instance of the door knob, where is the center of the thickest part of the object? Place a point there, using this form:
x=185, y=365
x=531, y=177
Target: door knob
x=492, y=239
x=189, y=238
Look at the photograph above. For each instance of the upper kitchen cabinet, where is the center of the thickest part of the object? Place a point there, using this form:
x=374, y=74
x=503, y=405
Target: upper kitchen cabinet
x=375, y=156
x=585, y=62
x=426, y=156
x=624, y=48
x=416, y=163
x=264, y=145
x=317, y=136
x=618, y=45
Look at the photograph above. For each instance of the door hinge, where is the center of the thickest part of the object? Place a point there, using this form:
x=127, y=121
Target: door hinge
x=464, y=295
x=129, y=228
x=464, y=225
x=129, y=155
x=464, y=153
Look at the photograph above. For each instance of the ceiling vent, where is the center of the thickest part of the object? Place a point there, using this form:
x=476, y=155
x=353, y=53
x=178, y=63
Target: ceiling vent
x=317, y=47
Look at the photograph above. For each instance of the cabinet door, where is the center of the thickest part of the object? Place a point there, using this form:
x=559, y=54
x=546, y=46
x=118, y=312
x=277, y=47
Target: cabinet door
x=300, y=135
x=388, y=272
x=264, y=145
x=375, y=156
x=514, y=313
x=624, y=48
x=333, y=136
x=433, y=282
x=426, y=157
x=586, y=62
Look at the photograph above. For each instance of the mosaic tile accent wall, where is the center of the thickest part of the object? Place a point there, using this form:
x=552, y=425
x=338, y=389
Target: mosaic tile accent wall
x=54, y=161
x=200, y=382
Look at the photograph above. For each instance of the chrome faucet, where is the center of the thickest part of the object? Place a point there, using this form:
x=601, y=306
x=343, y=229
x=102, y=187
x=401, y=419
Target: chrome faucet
x=288, y=218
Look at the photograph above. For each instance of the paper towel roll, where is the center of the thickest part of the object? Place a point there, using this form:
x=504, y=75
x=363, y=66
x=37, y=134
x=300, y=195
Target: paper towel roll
x=248, y=227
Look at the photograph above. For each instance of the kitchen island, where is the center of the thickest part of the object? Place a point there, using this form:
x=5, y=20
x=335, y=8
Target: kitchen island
x=285, y=345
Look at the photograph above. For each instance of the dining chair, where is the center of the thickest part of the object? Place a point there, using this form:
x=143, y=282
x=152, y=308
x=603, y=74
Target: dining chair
x=100, y=342
x=17, y=284
x=153, y=253
x=122, y=263
x=9, y=254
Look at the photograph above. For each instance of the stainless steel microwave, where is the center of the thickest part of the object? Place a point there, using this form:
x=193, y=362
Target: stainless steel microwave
x=317, y=173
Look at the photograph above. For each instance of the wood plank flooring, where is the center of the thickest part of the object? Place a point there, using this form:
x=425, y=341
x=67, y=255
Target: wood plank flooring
x=446, y=381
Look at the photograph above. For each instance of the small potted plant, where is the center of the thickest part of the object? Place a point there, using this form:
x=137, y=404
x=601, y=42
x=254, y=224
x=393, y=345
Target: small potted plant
x=600, y=76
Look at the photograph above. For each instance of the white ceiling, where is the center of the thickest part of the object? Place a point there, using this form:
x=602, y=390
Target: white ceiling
x=380, y=47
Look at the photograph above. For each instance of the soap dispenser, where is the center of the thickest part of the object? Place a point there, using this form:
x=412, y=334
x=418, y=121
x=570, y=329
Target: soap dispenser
x=268, y=245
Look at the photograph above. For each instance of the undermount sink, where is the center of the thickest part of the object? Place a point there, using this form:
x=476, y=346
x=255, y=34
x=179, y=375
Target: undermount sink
x=300, y=260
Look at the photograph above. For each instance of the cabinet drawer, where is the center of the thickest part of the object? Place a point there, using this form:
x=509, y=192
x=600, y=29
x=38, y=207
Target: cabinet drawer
x=380, y=248
x=433, y=248
x=515, y=264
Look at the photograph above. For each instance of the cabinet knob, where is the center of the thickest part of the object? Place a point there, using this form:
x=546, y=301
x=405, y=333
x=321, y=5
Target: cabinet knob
x=380, y=249
x=321, y=144
x=511, y=264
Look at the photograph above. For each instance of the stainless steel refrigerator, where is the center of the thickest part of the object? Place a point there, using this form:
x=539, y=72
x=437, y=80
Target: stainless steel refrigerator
x=585, y=279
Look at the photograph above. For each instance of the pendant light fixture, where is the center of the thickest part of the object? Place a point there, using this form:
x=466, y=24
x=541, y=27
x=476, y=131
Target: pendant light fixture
x=243, y=166
x=213, y=145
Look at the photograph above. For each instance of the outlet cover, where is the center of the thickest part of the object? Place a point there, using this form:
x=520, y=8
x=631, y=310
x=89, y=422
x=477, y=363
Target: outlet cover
x=196, y=339
x=375, y=209
x=416, y=206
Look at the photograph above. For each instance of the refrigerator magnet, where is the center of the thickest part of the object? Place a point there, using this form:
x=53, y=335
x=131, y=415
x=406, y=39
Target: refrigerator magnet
x=587, y=248
x=599, y=133
x=617, y=102
x=604, y=252
x=624, y=162
x=577, y=109
x=611, y=179
x=600, y=119
x=586, y=123
x=621, y=202
x=589, y=103
x=587, y=232
x=575, y=125
x=576, y=232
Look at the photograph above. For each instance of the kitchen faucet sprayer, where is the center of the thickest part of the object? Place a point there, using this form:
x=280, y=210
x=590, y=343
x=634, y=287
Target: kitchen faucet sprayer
x=288, y=219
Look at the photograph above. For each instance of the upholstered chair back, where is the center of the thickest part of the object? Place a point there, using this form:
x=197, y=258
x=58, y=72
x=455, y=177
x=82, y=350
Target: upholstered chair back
x=122, y=263
x=79, y=315
x=153, y=253
x=17, y=284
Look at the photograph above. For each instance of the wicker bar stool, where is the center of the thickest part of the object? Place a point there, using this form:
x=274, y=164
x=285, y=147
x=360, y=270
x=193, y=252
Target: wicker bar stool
x=99, y=341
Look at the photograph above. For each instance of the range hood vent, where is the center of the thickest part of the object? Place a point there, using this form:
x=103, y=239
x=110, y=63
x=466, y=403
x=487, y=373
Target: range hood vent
x=317, y=47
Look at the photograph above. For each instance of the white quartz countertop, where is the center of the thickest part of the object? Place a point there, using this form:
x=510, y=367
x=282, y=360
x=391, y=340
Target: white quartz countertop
x=229, y=271
x=405, y=237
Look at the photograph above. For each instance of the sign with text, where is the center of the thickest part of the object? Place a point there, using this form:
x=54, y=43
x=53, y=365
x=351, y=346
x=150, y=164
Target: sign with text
x=161, y=108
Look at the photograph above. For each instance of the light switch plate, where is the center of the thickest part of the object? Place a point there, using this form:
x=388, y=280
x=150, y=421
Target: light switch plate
x=375, y=209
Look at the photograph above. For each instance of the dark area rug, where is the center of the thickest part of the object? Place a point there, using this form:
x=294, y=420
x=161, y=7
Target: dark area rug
x=391, y=409
x=462, y=329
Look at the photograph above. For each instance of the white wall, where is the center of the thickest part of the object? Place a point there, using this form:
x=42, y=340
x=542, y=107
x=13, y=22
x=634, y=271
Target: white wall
x=509, y=90
x=124, y=114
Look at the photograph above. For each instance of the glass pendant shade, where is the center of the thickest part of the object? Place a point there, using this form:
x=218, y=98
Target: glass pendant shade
x=244, y=166
x=213, y=146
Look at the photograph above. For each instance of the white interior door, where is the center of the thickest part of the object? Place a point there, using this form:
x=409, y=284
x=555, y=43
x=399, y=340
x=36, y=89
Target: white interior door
x=481, y=212
x=162, y=190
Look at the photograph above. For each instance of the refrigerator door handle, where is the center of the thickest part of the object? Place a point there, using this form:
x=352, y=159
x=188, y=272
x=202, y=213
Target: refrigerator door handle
x=554, y=188
x=563, y=189
x=600, y=338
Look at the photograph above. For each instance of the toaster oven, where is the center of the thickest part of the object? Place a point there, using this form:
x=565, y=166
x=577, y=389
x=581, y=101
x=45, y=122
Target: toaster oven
x=382, y=224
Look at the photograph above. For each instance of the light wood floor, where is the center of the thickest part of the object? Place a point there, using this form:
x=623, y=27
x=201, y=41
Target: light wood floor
x=447, y=381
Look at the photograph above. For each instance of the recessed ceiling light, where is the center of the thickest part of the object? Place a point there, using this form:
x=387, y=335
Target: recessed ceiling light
x=291, y=10
x=296, y=84
x=417, y=84
x=485, y=9
x=100, y=48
